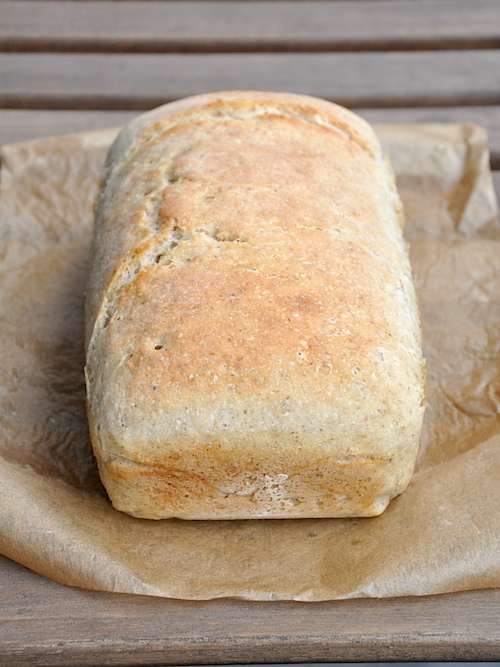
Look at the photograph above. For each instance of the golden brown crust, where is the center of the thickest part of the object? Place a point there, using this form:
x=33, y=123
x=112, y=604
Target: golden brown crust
x=253, y=337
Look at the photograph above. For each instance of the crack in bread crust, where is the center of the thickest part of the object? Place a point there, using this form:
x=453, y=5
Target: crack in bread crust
x=160, y=251
x=219, y=109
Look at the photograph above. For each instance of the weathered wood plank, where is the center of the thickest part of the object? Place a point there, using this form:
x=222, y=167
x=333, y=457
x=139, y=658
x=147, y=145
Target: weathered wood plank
x=141, y=81
x=49, y=624
x=49, y=25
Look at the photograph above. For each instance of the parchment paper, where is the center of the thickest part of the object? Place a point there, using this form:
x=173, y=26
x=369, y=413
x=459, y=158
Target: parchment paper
x=441, y=535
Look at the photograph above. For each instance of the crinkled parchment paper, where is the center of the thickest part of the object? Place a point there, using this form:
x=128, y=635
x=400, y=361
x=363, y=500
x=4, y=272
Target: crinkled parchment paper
x=441, y=535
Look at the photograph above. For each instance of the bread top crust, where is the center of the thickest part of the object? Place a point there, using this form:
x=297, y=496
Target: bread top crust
x=136, y=144
x=250, y=286
x=314, y=109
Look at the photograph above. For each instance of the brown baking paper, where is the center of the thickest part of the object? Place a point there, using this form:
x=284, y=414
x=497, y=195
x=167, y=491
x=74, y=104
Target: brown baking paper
x=441, y=535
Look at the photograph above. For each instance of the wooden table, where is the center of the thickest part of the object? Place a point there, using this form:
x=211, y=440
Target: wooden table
x=69, y=66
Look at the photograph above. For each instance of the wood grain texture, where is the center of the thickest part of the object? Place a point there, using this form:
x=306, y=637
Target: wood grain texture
x=45, y=623
x=141, y=81
x=221, y=26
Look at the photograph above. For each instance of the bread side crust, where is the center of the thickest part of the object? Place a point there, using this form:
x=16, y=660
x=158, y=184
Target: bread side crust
x=315, y=487
x=253, y=337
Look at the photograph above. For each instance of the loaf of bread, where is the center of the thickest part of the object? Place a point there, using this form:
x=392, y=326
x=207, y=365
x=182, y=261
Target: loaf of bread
x=253, y=340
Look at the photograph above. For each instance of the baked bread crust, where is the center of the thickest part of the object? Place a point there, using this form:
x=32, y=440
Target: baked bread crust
x=253, y=340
